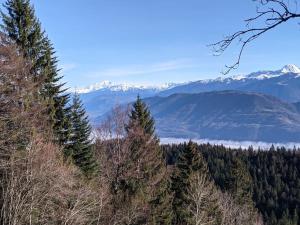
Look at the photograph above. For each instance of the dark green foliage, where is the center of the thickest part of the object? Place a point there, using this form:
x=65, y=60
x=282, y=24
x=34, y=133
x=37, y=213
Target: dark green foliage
x=22, y=26
x=189, y=161
x=63, y=123
x=143, y=146
x=275, y=176
x=55, y=96
x=241, y=182
x=80, y=148
x=147, y=178
x=161, y=205
x=140, y=115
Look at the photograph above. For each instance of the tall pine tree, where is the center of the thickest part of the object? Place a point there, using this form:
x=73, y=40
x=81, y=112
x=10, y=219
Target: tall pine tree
x=57, y=98
x=147, y=154
x=23, y=27
x=80, y=147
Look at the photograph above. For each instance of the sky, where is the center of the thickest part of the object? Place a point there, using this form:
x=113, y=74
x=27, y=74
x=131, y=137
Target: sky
x=156, y=41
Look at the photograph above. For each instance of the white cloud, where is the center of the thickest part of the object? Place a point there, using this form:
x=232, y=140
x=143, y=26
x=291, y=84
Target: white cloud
x=67, y=67
x=170, y=65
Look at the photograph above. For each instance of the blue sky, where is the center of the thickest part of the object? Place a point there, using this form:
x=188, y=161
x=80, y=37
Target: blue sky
x=156, y=41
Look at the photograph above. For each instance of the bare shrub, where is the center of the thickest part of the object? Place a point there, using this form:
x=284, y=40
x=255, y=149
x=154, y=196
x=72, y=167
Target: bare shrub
x=204, y=197
x=211, y=206
x=20, y=108
x=233, y=213
x=41, y=189
x=36, y=185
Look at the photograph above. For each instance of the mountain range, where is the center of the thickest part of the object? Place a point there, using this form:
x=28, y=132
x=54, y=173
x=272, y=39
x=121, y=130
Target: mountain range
x=283, y=84
x=243, y=107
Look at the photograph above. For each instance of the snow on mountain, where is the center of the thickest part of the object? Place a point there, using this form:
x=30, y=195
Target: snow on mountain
x=290, y=69
x=261, y=75
x=123, y=87
x=283, y=84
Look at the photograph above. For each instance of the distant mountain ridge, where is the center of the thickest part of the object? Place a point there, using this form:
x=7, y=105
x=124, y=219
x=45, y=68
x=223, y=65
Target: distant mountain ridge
x=263, y=106
x=226, y=115
x=283, y=84
x=260, y=75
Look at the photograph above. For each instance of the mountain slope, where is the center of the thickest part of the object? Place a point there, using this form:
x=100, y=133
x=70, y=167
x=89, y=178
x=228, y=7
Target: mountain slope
x=226, y=115
x=101, y=101
x=297, y=105
x=284, y=84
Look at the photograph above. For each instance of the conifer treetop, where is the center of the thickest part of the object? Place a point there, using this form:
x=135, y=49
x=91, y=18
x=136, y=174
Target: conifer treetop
x=140, y=116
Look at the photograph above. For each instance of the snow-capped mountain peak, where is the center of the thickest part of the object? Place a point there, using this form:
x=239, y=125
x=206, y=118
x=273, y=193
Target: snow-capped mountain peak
x=290, y=68
x=260, y=75
x=94, y=87
x=122, y=87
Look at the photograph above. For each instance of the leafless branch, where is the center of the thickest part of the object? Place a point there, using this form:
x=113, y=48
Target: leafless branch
x=270, y=13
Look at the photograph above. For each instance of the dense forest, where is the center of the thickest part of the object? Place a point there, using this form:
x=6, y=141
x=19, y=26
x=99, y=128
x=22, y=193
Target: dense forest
x=271, y=177
x=52, y=172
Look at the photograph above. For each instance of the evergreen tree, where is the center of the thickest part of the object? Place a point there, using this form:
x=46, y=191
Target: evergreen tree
x=241, y=182
x=23, y=27
x=147, y=157
x=63, y=123
x=140, y=116
x=161, y=204
x=57, y=99
x=189, y=161
x=80, y=148
x=140, y=132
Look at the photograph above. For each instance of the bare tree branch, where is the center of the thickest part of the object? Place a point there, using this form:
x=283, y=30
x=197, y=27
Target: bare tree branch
x=270, y=13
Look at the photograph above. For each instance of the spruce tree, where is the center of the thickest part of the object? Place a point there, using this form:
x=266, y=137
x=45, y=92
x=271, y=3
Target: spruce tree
x=141, y=132
x=80, y=147
x=63, y=124
x=57, y=98
x=189, y=162
x=147, y=154
x=140, y=116
x=22, y=26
